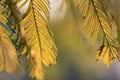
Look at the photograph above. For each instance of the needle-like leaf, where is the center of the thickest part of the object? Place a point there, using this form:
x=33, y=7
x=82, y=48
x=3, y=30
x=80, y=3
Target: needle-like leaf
x=96, y=20
x=38, y=36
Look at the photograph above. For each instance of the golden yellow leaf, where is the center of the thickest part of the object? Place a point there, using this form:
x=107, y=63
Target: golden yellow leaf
x=8, y=54
x=9, y=36
x=39, y=37
x=37, y=70
x=97, y=19
x=108, y=53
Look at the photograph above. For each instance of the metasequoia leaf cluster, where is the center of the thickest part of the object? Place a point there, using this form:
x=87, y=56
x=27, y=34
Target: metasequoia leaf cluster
x=97, y=19
x=26, y=34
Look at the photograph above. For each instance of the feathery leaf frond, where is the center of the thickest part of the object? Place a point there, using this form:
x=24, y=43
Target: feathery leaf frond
x=97, y=19
x=10, y=17
x=38, y=35
x=8, y=57
x=32, y=27
x=108, y=53
x=9, y=36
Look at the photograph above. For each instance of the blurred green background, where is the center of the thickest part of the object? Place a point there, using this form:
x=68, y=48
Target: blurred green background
x=76, y=54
